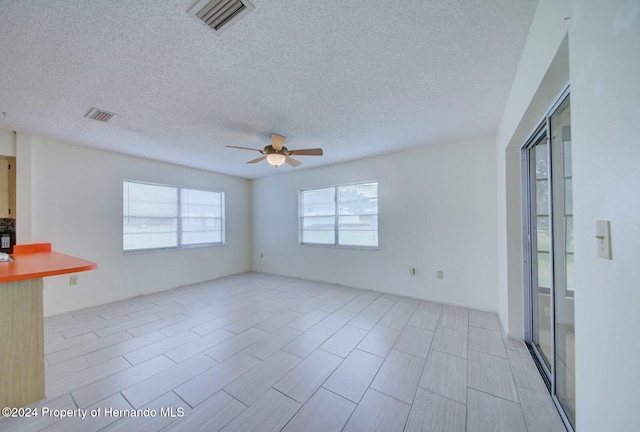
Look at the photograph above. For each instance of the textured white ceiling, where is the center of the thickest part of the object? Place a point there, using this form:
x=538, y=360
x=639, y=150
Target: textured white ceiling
x=356, y=78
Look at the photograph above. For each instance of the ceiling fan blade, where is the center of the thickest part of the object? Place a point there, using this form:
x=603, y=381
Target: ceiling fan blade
x=307, y=152
x=292, y=162
x=245, y=148
x=277, y=141
x=257, y=160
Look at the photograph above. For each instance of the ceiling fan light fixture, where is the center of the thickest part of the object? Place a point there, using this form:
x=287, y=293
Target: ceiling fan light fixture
x=276, y=159
x=277, y=154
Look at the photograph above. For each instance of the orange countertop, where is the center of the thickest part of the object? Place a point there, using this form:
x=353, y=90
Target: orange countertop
x=37, y=260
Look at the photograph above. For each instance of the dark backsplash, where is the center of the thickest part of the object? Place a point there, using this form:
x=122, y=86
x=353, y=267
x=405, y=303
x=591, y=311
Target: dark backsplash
x=8, y=225
x=8, y=228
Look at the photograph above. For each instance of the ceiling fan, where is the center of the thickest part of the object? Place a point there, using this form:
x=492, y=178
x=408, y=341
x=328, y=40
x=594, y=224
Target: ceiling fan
x=277, y=154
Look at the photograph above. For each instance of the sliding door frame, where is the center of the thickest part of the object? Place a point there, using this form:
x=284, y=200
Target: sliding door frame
x=530, y=241
x=530, y=278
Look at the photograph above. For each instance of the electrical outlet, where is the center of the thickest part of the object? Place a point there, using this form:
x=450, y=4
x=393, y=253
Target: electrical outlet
x=412, y=271
x=73, y=280
x=440, y=274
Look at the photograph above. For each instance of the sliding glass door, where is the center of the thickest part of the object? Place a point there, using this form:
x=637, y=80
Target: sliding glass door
x=549, y=258
x=538, y=155
x=564, y=335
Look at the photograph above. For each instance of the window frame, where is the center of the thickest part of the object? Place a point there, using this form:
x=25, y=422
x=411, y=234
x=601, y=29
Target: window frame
x=336, y=217
x=179, y=223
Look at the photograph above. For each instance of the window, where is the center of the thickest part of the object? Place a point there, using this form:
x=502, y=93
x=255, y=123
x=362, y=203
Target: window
x=201, y=216
x=162, y=217
x=150, y=216
x=344, y=215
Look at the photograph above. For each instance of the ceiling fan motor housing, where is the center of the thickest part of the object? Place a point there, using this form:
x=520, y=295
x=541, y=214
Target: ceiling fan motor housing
x=271, y=150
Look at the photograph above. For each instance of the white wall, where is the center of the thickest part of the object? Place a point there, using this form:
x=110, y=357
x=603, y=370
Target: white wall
x=7, y=143
x=605, y=66
x=76, y=204
x=437, y=210
x=602, y=48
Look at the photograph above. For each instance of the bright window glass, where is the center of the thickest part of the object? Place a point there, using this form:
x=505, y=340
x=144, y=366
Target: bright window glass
x=318, y=216
x=150, y=216
x=358, y=215
x=345, y=215
x=201, y=216
x=163, y=216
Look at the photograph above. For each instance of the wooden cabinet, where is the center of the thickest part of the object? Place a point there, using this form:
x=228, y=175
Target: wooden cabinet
x=22, y=343
x=7, y=187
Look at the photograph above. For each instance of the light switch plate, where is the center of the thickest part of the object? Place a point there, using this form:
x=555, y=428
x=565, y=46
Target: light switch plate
x=603, y=236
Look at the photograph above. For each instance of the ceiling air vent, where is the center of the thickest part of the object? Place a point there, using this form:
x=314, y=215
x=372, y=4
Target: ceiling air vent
x=100, y=115
x=220, y=14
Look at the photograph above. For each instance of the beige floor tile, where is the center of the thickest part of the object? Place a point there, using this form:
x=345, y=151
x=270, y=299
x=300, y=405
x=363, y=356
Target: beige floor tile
x=486, y=341
x=540, y=414
x=324, y=412
x=198, y=345
x=367, y=318
x=307, y=320
x=257, y=380
x=424, y=319
x=352, y=378
x=160, y=347
x=150, y=388
x=208, y=383
x=414, y=341
x=304, y=379
x=489, y=413
x=446, y=375
x=396, y=318
x=435, y=413
x=235, y=344
x=492, y=375
x=399, y=376
x=272, y=342
x=451, y=341
x=378, y=413
x=344, y=341
x=211, y=415
x=270, y=413
x=486, y=320
x=105, y=387
x=337, y=319
x=379, y=340
x=455, y=317
x=278, y=321
x=308, y=341
x=123, y=347
x=163, y=411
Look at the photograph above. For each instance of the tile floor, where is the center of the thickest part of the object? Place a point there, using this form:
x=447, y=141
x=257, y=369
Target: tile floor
x=256, y=352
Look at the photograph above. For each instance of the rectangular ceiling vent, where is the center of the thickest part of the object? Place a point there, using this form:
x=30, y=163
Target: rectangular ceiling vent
x=220, y=14
x=100, y=115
